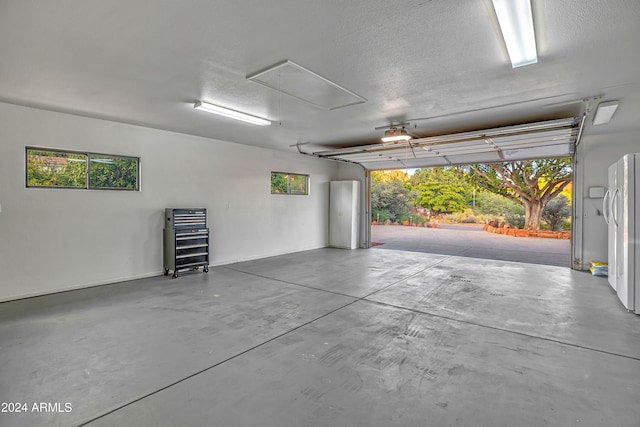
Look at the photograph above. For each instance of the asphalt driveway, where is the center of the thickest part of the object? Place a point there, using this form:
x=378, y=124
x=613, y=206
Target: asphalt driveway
x=471, y=241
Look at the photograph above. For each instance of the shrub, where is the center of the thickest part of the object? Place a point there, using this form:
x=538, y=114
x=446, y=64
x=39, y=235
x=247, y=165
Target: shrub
x=403, y=218
x=515, y=219
x=556, y=212
x=380, y=215
x=392, y=197
x=420, y=220
x=493, y=204
x=466, y=217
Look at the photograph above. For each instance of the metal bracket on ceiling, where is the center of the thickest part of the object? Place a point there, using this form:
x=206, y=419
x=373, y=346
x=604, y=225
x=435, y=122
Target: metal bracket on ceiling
x=298, y=145
x=586, y=103
x=393, y=125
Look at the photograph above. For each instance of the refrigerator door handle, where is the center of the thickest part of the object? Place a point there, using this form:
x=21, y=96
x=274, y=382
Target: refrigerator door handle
x=614, y=209
x=605, y=211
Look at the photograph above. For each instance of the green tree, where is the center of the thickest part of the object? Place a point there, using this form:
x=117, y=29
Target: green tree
x=532, y=183
x=390, y=198
x=442, y=189
x=556, y=211
x=440, y=197
x=494, y=204
x=390, y=175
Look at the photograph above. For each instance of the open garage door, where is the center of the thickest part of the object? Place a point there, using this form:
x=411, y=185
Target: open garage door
x=547, y=139
x=531, y=141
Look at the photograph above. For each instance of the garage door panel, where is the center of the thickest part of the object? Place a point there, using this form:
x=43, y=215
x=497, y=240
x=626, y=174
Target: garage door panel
x=465, y=159
x=552, y=138
x=537, y=153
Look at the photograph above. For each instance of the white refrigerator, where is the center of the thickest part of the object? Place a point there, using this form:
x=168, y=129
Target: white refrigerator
x=611, y=224
x=621, y=210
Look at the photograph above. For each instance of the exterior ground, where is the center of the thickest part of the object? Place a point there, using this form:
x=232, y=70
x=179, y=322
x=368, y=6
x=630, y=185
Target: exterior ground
x=471, y=241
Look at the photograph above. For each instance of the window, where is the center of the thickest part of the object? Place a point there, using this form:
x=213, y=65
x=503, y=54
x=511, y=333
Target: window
x=113, y=172
x=68, y=169
x=289, y=183
x=56, y=169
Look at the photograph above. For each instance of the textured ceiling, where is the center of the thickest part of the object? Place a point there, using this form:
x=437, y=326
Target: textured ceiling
x=438, y=64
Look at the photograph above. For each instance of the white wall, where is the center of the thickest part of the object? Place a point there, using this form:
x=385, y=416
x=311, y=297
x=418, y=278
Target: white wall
x=595, y=153
x=57, y=239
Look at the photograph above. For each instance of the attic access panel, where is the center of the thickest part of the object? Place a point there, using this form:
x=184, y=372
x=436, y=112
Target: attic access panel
x=303, y=84
x=547, y=139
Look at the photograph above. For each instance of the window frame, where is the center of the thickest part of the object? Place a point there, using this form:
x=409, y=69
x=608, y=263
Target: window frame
x=88, y=155
x=289, y=192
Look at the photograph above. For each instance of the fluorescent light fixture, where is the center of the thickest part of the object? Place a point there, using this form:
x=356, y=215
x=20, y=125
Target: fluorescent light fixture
x=516, y=24
x=605, y=112
x=394, y=135
x=226, y=112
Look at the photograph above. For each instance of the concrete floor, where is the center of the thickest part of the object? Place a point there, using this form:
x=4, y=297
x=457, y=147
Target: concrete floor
x=329, y=338
x=470, y=241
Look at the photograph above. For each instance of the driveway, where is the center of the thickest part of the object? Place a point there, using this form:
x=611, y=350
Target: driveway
x=471, y=241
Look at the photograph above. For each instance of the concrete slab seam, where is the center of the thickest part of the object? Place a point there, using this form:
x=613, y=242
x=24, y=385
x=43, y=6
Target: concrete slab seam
x=495, y=328
x=287, y=282
x=408, y=277
x=201, y=371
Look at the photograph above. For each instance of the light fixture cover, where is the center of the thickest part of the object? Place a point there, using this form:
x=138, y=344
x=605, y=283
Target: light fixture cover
x=516, y=23
x=303, y=84
x=605, y=112
x=395, y=134
x=233, y=114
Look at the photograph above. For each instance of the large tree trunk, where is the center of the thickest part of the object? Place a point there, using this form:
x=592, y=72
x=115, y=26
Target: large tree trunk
x=532, y=214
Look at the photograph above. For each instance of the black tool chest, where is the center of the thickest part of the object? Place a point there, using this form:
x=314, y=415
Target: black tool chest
x=186, y=240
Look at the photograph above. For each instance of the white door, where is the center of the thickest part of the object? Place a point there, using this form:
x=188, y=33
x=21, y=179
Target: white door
x=624, y=213
x=611, y=225
x=635, y=265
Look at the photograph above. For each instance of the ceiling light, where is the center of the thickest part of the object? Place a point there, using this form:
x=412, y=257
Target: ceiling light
x=605, y=112
x=395, y=134
x=222, y=111
x=516, y=24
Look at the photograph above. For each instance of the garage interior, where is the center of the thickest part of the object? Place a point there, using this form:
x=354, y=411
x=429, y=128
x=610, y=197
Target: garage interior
x=330, y=337
x=285, y=330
